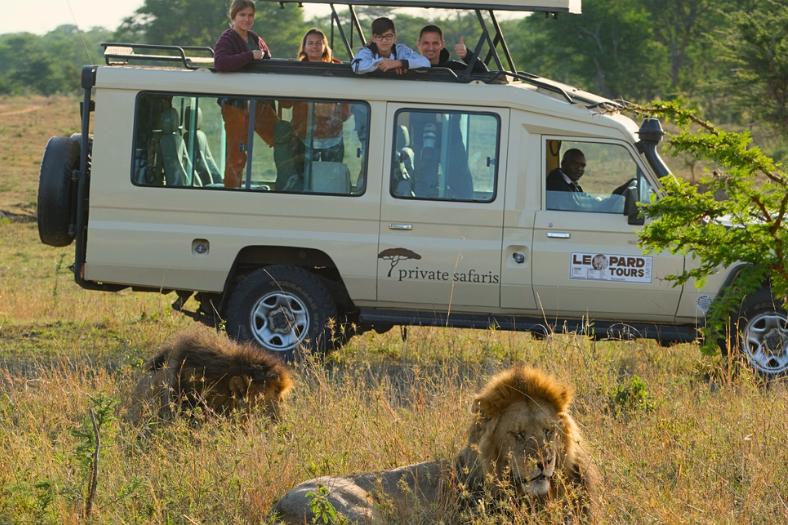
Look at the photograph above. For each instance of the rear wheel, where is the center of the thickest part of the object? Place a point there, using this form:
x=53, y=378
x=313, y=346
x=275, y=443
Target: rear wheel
x=761, y=330
x=55, y=191
x=283, y=309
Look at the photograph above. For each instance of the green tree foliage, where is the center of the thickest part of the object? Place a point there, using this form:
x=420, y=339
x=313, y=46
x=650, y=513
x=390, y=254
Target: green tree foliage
x=609, y=49
x=679, y=25
x=200, y=22
x=739, y=215
x=755, y=55
x=48, y=64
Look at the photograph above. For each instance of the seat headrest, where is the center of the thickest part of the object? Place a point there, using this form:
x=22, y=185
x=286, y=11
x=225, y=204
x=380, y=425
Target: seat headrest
x=169, y=120
x=403, y=137
x=187, y=118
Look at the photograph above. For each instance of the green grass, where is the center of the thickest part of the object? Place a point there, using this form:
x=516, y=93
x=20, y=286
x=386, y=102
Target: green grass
x=678, y=437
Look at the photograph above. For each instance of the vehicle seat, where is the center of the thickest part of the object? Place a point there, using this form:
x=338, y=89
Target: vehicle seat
x=204, y=163
x=403, y=165
x=172, y=150
x=330, y=177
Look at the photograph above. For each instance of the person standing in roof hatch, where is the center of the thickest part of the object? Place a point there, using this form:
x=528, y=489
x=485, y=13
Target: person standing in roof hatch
x=433, y=47
x=324, y=139
x=236, y=48
x=384, y=53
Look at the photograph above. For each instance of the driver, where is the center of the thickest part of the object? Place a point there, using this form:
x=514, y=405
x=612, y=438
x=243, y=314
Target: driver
x=566, y=179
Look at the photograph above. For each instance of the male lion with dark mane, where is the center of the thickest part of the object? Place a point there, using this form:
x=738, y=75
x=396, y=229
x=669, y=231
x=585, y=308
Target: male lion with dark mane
x=524, y=455
x=205, y=370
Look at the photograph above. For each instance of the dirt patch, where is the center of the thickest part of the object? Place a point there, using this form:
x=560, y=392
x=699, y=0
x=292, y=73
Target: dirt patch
x=21, y=216
x=28, y=109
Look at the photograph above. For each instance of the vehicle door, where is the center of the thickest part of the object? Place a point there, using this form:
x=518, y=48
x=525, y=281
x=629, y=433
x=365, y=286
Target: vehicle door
x=442, y=212
x=586, y=258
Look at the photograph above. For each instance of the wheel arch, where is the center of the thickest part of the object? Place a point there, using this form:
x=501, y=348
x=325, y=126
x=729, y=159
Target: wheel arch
x=315, y=261
x=732, y=276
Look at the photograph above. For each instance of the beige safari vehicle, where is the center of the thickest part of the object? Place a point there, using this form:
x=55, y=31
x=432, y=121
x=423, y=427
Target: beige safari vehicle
x=429, y=205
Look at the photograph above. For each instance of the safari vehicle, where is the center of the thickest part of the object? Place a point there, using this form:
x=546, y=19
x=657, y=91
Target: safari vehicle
x=435, y=213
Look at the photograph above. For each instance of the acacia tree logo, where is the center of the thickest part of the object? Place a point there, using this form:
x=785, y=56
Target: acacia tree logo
x=395, y=255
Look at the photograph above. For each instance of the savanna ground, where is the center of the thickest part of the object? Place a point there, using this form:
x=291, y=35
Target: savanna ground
x=678, y=438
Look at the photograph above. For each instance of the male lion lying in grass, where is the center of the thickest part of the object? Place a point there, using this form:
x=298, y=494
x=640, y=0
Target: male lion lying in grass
x=201, y=369
x=524, y=456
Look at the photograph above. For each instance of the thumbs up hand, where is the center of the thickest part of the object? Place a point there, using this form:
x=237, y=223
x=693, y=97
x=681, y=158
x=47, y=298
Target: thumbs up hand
x=459, y=48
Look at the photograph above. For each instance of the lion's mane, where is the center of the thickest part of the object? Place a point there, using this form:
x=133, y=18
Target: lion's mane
x=474, y=476
x=202, y=369
x=524, y=386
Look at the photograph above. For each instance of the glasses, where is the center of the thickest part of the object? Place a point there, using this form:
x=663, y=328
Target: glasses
x=388, y=37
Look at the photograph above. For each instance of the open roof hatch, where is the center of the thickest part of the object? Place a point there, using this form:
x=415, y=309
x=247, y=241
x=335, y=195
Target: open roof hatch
x=491, y=48
x=497, y=56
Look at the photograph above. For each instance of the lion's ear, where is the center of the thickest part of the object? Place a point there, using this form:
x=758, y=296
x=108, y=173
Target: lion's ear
x=482, y=408
x=476, y=407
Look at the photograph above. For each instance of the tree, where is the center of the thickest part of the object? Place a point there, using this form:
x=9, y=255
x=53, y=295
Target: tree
x=740, y=215
x=755, y=53
x=609, y=49
x=679, y=25
x=200, y=22
x=50, y=63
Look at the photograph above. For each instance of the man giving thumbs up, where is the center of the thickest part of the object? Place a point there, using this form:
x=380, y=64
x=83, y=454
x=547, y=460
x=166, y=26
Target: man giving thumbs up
x=432, y=46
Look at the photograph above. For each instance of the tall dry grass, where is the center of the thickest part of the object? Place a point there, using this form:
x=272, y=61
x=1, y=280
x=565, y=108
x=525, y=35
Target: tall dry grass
x=678, y=437
x=683, y=446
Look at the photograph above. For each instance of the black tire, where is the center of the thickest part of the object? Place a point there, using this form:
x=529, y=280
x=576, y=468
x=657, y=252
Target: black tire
x=283, y=309
x=761, y=334
x=55, y=207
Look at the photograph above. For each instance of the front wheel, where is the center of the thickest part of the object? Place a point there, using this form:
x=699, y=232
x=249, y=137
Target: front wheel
x=762, y=334
x=283, y=309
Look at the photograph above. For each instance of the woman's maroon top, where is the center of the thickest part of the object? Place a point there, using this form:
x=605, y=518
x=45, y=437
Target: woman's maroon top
x=231, y=53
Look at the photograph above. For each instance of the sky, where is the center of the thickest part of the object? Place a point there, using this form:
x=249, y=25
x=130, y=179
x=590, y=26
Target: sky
x=42, y=16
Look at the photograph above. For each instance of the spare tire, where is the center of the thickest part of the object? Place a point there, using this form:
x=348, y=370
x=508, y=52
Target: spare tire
x=55, y=191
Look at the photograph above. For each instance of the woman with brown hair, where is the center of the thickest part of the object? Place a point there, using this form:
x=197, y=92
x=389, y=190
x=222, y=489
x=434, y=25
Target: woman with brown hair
x=236, y=48
x=326, y=138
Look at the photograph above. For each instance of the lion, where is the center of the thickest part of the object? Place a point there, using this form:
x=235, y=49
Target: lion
x=524, y=448
x=205, y=370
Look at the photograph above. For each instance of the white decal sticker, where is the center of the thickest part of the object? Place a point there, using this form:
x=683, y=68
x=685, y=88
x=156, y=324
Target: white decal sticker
x=610, y=267
x=704, y=302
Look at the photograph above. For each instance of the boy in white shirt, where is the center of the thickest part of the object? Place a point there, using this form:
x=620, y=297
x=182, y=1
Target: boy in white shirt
x=384, y=53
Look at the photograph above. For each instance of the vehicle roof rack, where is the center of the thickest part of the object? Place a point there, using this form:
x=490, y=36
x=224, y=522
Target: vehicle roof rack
x=121, y=53
x=549, y=6
x=491, y=37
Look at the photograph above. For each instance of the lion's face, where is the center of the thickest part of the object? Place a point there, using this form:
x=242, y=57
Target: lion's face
x=522, y=446
x=247, y=394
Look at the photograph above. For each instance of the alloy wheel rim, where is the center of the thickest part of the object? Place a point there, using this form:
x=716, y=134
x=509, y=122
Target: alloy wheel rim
x=765, y=342
x=279, y=321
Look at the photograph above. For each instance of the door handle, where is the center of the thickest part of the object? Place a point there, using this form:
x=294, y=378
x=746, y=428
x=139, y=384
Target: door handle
x=559, y=235
x=400, y=226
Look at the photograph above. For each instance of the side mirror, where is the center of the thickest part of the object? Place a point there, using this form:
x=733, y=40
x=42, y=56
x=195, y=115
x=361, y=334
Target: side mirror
x=631, y=210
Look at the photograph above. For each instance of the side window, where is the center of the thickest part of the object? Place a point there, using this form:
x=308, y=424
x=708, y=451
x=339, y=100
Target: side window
x=592, y=177
x=299, y=146
x=445, y=155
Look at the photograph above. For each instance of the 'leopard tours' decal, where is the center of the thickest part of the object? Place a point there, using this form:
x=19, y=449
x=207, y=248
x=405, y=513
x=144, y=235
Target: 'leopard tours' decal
x=396, y=255
x=609, y=267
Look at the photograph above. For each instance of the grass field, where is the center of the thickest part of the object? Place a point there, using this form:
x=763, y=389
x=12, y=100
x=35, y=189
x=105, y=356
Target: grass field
x=678, y=438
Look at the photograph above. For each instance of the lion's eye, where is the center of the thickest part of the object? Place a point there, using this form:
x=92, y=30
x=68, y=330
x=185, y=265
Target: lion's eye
x=520, y=436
